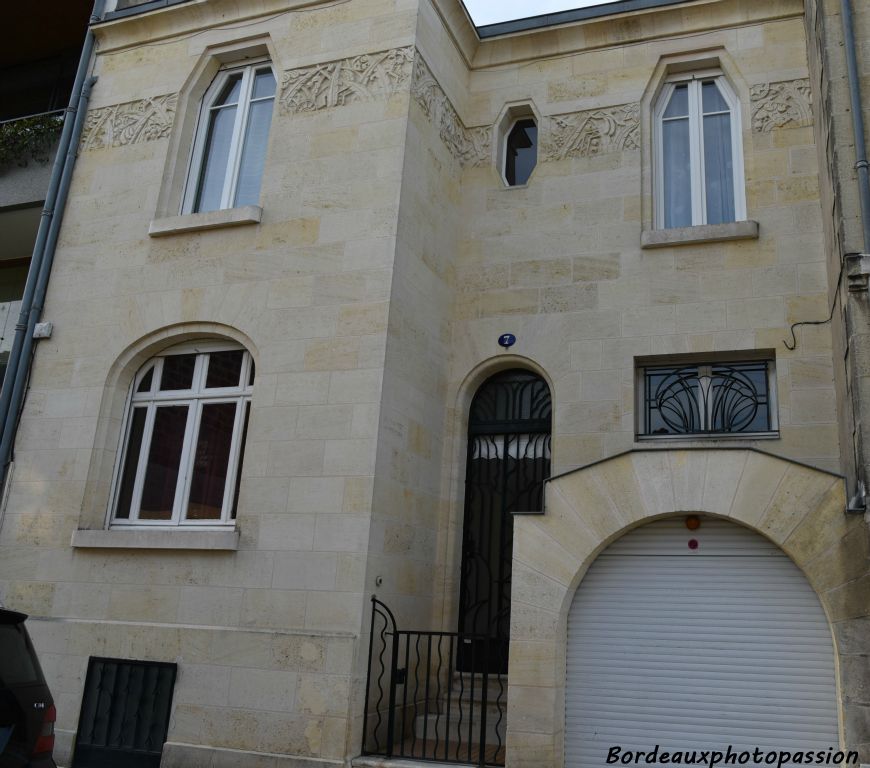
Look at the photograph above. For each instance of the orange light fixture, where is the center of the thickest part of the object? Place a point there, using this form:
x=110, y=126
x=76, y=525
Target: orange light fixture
x=693, y=522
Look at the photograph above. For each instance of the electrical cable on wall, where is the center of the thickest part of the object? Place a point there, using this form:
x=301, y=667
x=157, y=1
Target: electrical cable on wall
x=791, y=347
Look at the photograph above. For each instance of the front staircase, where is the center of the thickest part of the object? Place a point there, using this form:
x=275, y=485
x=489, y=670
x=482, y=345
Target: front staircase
x=453, y=723
x=419, y=707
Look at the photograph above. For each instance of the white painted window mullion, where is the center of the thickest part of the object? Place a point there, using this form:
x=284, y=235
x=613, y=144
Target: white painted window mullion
x=142, y=465
x=660, y=153
x=233, y=462
x=185, y=464
x=237, y=145
x=696, y=152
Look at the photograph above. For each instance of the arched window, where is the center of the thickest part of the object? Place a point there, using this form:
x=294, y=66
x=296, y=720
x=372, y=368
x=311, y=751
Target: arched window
x=508, y=461
x=230, y=146
x=184, y=437
x=699, y=152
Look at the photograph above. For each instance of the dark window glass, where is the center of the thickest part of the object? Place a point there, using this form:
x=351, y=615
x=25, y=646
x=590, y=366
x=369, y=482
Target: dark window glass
x=224, y=369
x=177, y=372
x=164, y=459
x=251, y=377
x=673, y=401
x=242, y=453
x=230, y=92
x=145, y=384
x=131, y=462
x=707, y=399
x=678, y=106
x=738, y=399
x=215, y=159
x=677, y=162
x=264, y=84
x=521, y=153
x=211, y=460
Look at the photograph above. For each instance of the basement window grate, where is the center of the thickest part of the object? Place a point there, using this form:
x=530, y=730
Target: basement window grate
x=125, y=713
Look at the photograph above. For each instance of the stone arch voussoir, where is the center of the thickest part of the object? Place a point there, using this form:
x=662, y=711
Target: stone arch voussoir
x=799, y=508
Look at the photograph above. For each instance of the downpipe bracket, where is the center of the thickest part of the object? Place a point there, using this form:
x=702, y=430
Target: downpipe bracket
x=858, y=272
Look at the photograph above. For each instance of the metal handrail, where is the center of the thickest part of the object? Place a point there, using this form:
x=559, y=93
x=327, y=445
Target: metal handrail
x=437, y=717
x=37, y=114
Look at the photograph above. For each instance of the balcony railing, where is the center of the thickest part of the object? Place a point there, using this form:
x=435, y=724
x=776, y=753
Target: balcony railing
x=27, y=138
x=9, y=311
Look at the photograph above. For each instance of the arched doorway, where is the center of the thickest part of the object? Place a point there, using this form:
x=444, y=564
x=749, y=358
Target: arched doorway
x=508, y=461
x=696, y=639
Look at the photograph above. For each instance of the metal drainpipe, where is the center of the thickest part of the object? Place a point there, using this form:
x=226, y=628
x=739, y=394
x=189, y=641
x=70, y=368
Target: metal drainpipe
x=54, y=201
x=861, y=164
x=38, y=275
x=857, y=503
x=23, y=369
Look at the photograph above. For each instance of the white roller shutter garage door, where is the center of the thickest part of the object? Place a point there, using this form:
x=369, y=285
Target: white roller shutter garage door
x=696, y=640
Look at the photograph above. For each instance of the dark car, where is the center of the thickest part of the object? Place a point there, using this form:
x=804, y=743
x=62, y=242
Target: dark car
x=27, y=712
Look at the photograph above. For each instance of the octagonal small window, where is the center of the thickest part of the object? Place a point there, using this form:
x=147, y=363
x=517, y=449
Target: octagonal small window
x=521, y=152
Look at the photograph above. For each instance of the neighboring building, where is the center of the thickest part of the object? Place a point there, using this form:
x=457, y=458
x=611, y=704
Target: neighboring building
x=339, y=285
x=37, y=65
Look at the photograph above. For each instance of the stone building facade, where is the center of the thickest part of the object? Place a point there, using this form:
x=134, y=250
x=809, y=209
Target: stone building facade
x=370, y=282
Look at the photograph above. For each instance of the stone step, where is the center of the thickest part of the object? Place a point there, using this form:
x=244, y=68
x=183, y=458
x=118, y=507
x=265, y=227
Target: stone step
x=456, y=730
x=496, y=688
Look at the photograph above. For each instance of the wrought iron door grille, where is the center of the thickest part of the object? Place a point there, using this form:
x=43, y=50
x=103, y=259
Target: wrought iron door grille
x=719, y=398
x=125, y=713
x=508, y=461
x=419, y=706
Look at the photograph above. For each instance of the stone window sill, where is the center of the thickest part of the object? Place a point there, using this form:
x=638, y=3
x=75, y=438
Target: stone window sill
x=707, y=233
x=138, y=538
x=198, y=222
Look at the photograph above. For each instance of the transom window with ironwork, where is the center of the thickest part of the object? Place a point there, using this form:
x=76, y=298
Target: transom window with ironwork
x=707, y=398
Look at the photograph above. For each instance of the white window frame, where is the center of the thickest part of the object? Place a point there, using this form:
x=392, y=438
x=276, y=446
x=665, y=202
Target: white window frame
x=704, y=364
x=696, y=144
x=195, y=398
x=504, y=151
x=240, y=127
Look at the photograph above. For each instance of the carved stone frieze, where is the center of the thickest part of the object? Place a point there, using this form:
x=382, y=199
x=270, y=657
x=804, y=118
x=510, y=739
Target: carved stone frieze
x=367, y=77
x=471, y=146
x=786, y=104
x=593, y=132
x=129, y=123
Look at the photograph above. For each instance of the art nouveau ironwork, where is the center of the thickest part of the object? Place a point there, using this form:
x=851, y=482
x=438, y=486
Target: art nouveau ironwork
x=707, y=399
x=508, y=461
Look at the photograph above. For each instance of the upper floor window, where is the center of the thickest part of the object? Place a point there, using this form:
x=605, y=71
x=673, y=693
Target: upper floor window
x=230, y=146
x=699, y=153
x=184, y=437
x=521, y=152
x=707, y=398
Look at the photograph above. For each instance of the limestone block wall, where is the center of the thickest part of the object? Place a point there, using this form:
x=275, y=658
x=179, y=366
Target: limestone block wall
x=559, y=262
x=389, y=258
x=265, y=636
x=798, y=508
x=841, y=206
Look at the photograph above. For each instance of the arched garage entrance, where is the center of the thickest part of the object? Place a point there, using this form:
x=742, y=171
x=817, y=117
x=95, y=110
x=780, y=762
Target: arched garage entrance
x=694, y=633
x=798, y=509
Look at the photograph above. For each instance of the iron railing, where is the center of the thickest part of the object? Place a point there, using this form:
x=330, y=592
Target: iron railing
x=419, y=705
x=707, y=399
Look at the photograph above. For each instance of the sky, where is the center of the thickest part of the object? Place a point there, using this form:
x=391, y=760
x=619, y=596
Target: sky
x=484, y=12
